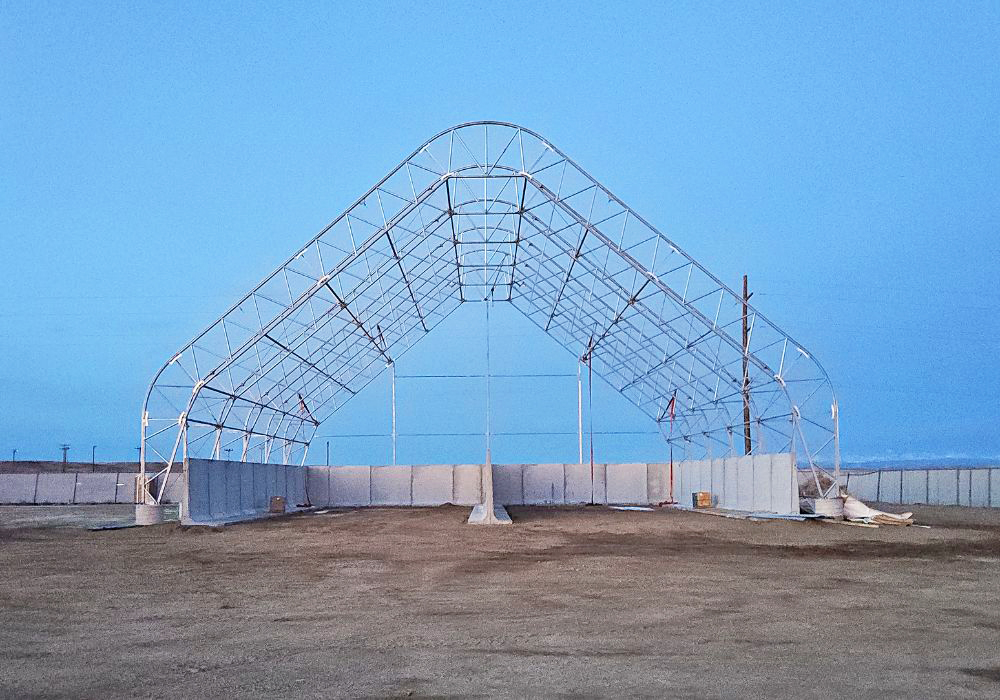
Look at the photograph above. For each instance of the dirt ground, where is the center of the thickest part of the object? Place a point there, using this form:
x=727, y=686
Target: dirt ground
x=566, y=602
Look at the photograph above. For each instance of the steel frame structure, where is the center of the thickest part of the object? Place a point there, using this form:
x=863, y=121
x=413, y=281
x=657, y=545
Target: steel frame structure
x=486, y=210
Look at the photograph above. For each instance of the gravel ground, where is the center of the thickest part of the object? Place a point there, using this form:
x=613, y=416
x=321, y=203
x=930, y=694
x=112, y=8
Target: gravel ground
x=566, y=602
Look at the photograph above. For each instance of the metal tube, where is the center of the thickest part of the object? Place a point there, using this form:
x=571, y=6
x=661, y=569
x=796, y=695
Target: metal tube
x=392, y=366
x=579, y=411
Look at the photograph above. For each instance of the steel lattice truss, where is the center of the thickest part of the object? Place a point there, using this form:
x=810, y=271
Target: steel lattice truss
x=487, y=210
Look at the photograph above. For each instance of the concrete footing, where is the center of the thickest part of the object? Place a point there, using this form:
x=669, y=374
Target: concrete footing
x=482, y=516
x=149, y=514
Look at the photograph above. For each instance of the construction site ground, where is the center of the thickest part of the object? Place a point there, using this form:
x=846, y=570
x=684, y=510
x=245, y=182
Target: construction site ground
x=569, y=601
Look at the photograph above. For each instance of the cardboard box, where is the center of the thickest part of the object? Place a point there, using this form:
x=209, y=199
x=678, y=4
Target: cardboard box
x=701, y=499
x=277, y=504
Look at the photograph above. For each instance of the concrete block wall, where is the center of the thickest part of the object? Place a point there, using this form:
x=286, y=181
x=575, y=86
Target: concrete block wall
x=219, y=491
x=965, y=486
x=766, y=483
x=73, y=488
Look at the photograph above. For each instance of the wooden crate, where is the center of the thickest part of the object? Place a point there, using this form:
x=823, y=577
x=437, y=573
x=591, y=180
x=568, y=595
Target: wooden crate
x=701, y=499
x=277, y=504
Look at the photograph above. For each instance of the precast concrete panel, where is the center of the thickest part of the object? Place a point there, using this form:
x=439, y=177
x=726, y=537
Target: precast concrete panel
x=864, y=486
x=198, y=503
x=466, y=484
x=658, y=482
x=508, y=484
x=125, y=487
x=432, y=484
x=391, y=486
x=216, y=489
x=234, y=487
x=915, y=485
x=744, y=468
x=579, y=487
x=942, y=487
x=262, y=485
x=174, y=489
x=627, y=483
x=785, y=483
x=761, y=491
x=96, y=488
x=730, y=484
x=543, y=484
x=246, y=477
x=18, y=488
x=55, y=488
x=890, y=486
x=979, y=486
x=964, y=480
x=350, y=486
x=994, y=479
x=296, y=481
x=777, y=497
x=600, y=485
x=318, y=485
x=718, y=481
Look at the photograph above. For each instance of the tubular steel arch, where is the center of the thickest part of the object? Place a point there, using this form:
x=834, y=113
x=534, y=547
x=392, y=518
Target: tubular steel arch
x=487, y=210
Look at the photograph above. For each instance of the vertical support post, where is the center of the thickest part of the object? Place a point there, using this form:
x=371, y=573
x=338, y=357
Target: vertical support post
x=747, y=446
x=142, y=490
x=836, y=441
x=392, y=366
x=579, y=411
x=485, y=513
x=590, y=418
x=328, y=453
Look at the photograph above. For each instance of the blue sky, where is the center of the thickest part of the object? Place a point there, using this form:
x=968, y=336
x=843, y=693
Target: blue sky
x=157, y=161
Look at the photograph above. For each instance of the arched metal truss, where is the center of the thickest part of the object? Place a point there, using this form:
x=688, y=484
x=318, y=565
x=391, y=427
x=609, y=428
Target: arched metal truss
x=487, y=209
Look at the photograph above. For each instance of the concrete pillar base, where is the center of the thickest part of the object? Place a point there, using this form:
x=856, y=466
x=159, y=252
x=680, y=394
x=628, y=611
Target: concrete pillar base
x=149, y=514
x=481, y=516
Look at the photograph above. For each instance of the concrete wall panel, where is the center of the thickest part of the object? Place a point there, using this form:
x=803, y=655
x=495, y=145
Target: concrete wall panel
x=627, y=483
x=17, y=488
x=784, y=486
x=915, y=485
x=349, y=486
x=216, y=489
x=433, y=484
x=508, y=484
x=863, y=485
x=994, y=479
x=198, y=505
x=173, y=492
x=600, y=486
x=246, y=478
x=55, y=488
x=942, y=486
x=743, y=466
x=225, y=491
x=391, y=486
x=233, y=486
x=318, y=485
x=890, y=486
x=96, y=488
x=579, y=488
x=125, y=487
x=964, y=482
x=979, y=485
x=296, y=479
x=718, y=480
x=466, y=490
x=657, y=482
x=543, y=484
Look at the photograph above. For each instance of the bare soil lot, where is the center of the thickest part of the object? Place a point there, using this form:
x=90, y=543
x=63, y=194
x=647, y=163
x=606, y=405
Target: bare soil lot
x=567, y=602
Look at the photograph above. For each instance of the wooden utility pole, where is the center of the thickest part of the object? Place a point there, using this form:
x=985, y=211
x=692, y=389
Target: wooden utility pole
x=747, y=445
